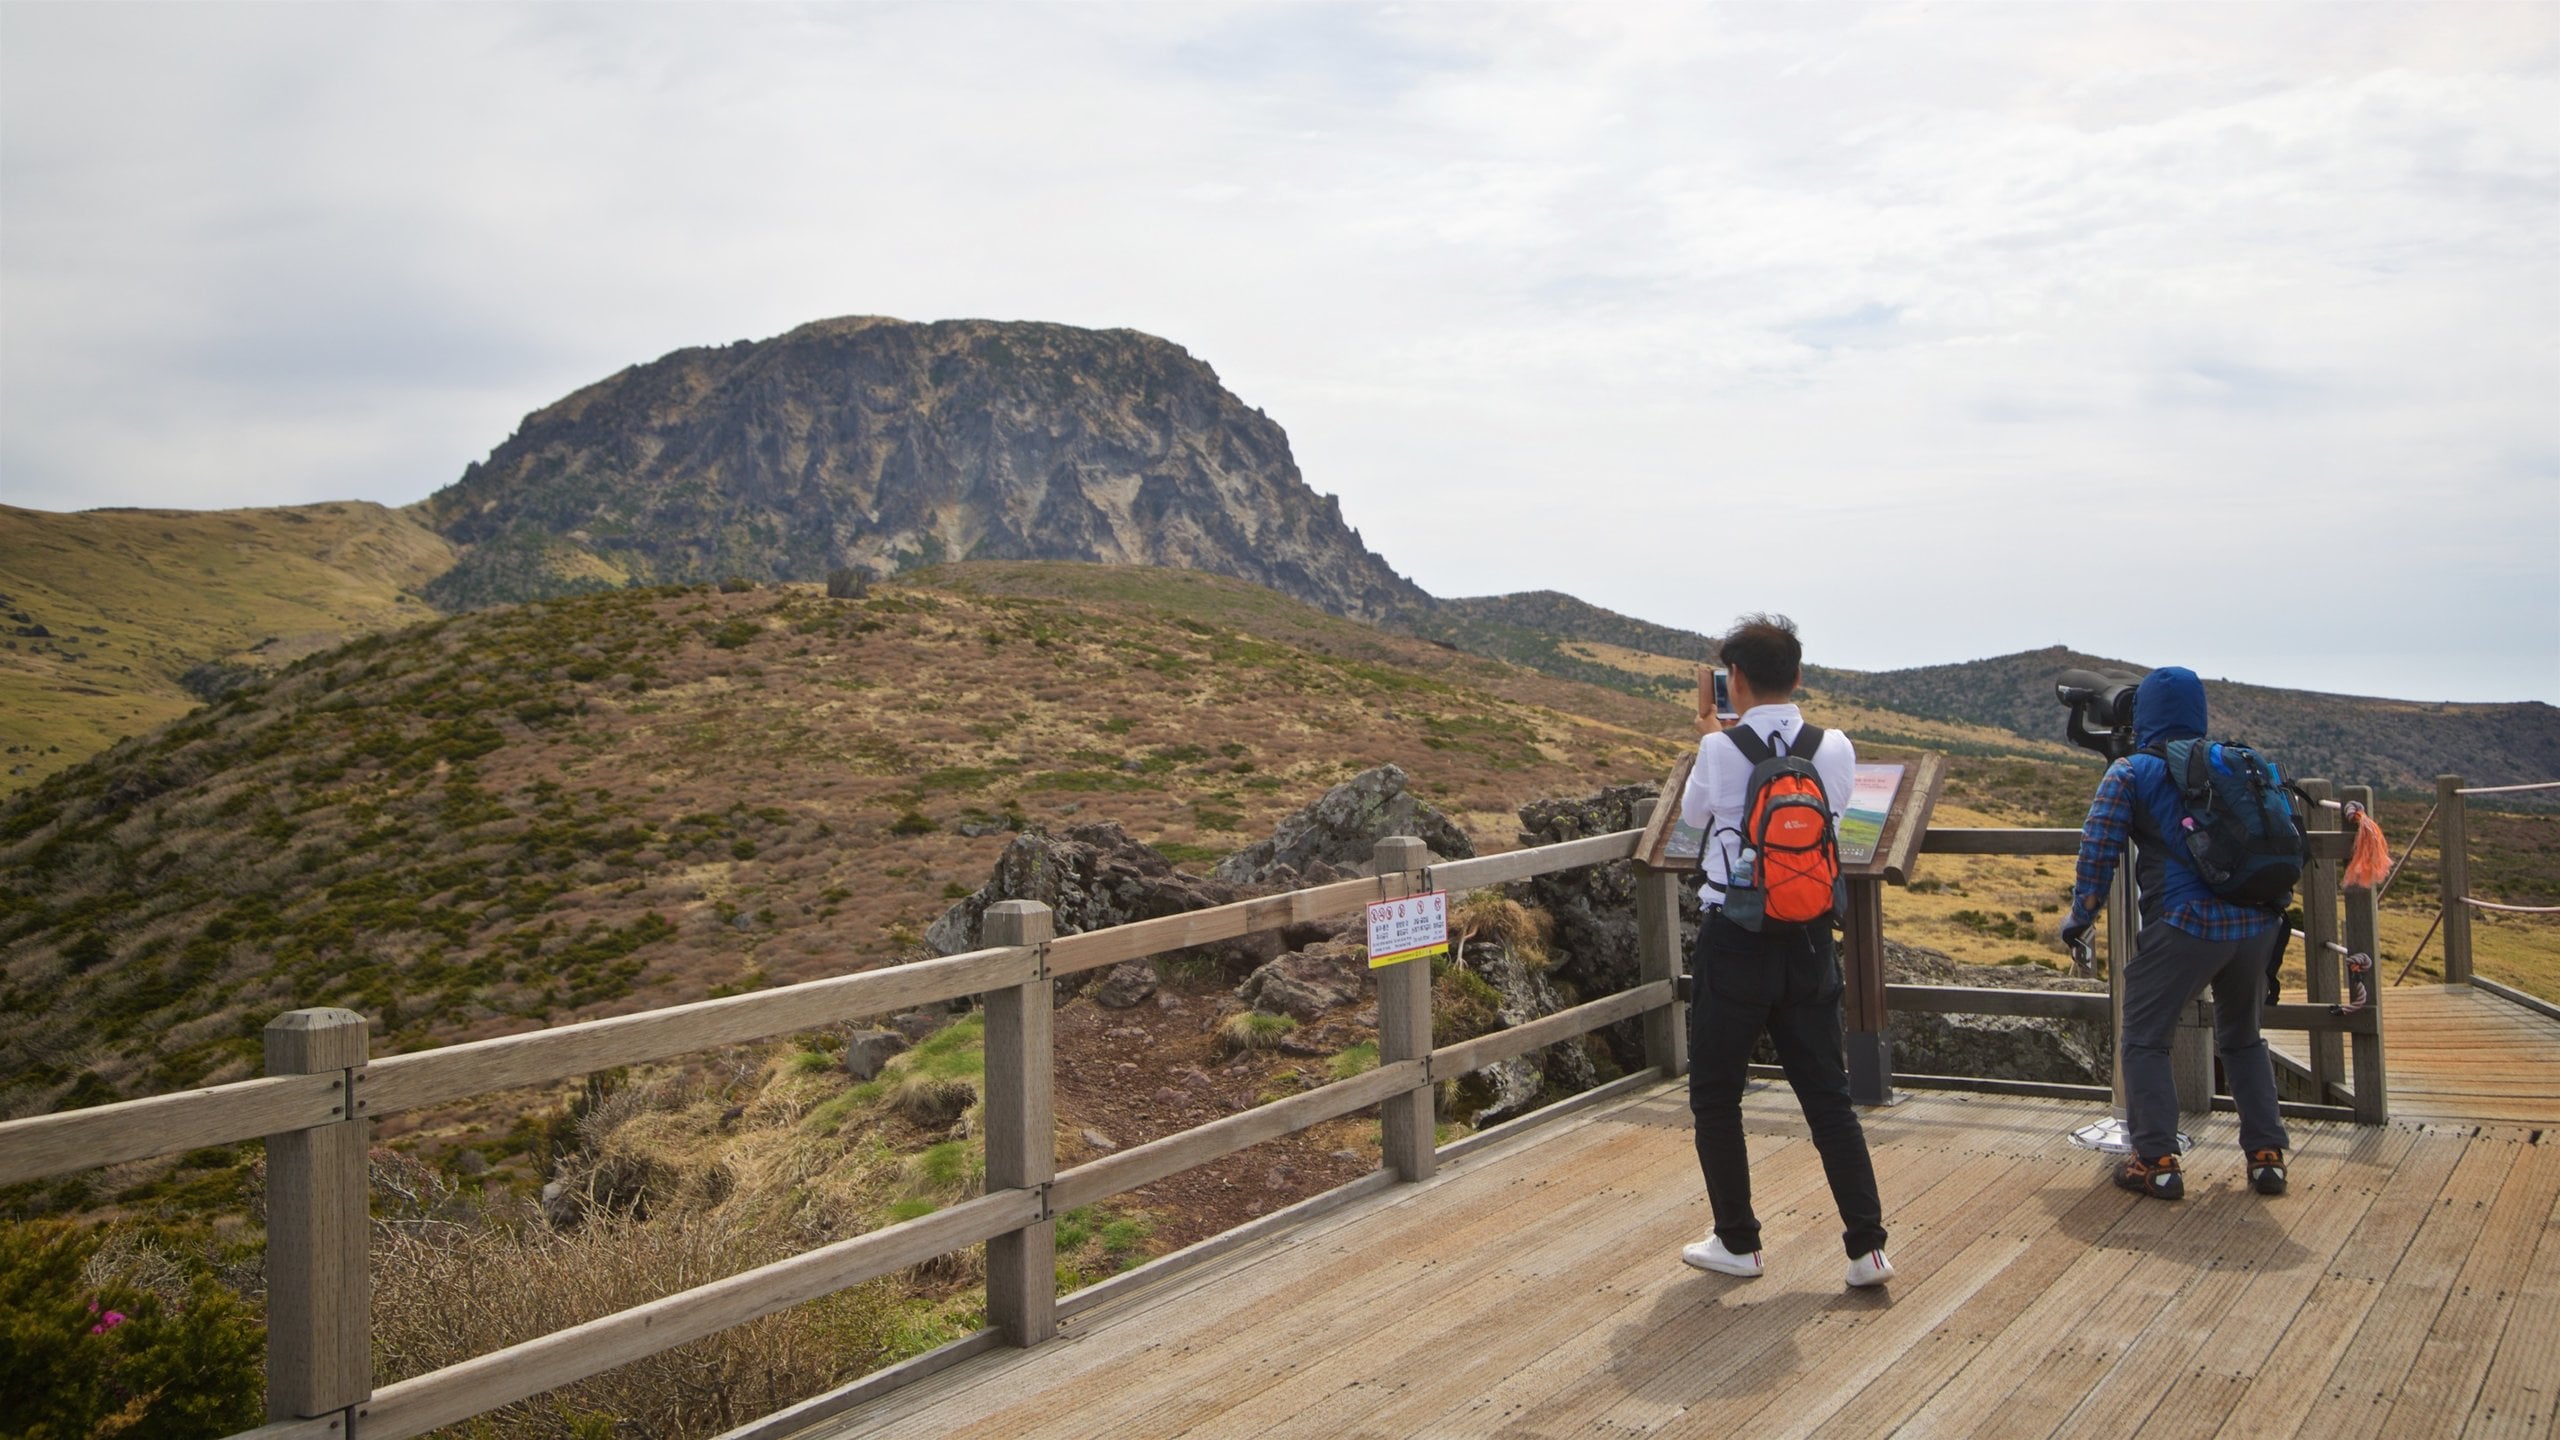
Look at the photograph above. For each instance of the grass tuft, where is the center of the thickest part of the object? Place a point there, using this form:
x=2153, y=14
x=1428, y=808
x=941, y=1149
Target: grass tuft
x=1253, y=1030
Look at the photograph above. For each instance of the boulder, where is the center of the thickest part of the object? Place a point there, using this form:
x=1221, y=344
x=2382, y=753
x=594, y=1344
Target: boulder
x=1091, y=877
x=866, y=1052
x=1342, y=830
x=1306, y=983
x=1594, y=907
x=2001, y=1047
x=1126, y=986
x=914, y=1025
x=1526, y=993
x=1997, y=1047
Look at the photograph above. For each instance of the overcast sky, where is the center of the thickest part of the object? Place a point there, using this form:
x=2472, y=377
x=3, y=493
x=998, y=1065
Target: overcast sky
x=2226, y=336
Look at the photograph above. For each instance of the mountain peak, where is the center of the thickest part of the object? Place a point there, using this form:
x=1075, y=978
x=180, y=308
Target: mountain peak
x=878, y=444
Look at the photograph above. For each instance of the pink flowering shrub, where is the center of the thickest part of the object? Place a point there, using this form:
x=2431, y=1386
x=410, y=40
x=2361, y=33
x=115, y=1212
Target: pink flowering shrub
x=77, y=1362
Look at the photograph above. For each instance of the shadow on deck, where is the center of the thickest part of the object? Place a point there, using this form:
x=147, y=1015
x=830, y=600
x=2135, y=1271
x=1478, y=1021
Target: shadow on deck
x=2409, y=1284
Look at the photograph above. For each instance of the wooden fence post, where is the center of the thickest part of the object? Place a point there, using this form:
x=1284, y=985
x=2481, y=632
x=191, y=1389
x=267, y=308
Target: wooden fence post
x=1868, y=1044
x=1666, y=1030
x=2191, y=1056
x=2364, y=936
x=319, y=1295
x=1404, y=1033
x=2453, y=839
x=2122, y=924
x=1022, y=1149
x=2319, y=962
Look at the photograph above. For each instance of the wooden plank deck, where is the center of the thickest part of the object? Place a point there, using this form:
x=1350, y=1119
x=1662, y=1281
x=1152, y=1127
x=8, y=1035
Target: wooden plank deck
x=2453, y=1053
x=2409, y=1285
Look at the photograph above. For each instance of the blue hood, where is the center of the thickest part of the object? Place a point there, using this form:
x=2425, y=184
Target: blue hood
x=2168, y=705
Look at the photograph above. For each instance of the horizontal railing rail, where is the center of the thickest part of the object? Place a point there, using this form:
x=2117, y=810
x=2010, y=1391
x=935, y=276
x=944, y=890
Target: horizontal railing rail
x=85, y=1139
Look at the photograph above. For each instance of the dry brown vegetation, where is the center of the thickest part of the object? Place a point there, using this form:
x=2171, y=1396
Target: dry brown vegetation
x=672, y=1178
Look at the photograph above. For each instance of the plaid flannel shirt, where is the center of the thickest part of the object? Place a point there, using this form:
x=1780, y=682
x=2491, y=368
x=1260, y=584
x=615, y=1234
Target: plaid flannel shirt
x=2103, y=838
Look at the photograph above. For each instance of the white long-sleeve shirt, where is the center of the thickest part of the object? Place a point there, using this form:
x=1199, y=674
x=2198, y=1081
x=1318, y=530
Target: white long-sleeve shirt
x=1713, y=800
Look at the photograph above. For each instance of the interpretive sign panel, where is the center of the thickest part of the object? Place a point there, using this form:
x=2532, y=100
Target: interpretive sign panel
x=1870, y=800
x=1670, y=843
x=1408, y=929
x=1906, y=794
x=1880, y=833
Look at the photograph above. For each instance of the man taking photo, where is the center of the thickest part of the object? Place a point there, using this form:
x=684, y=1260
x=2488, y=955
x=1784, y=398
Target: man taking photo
x=1757, y=967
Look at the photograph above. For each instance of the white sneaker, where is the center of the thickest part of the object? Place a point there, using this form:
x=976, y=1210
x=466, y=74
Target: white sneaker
x=1869, y=1269
x=1710, y=1254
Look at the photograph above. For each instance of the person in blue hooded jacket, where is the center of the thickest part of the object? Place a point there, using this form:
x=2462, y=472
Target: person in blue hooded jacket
x=2190, y=938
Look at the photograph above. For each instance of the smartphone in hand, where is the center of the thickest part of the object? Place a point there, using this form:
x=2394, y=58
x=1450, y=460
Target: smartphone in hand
x=1724, y=696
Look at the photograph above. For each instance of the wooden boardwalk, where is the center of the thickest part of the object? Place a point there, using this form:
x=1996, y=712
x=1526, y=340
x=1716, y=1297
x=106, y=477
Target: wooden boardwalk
x=2409, y=1285
x=2453, y=1053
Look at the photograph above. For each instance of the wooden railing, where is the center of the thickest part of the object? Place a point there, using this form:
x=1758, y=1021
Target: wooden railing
x=313, y=1109
x=2191, y=1056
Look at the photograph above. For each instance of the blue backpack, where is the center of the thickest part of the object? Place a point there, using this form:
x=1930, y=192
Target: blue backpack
x=2237, y=821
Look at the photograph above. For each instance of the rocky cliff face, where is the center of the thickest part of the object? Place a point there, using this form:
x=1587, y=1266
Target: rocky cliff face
x=877, y=444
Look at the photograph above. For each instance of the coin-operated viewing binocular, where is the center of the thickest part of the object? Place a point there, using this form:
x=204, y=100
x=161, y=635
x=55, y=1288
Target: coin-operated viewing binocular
x=2101, y=704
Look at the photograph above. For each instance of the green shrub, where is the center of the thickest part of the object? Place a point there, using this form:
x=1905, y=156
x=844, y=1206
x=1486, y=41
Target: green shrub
x=77, y=1360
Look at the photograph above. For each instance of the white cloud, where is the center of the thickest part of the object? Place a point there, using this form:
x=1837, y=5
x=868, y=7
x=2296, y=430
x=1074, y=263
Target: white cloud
x=2052, y=322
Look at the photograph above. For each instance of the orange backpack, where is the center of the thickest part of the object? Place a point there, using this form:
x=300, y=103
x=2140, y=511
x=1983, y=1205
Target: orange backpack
x=1788, y=871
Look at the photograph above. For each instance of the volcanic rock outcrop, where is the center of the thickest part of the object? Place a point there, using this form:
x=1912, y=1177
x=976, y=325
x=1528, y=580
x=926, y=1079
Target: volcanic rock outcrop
x=870, y=444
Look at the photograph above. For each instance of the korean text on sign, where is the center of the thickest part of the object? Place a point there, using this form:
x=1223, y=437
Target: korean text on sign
x=1408, y=929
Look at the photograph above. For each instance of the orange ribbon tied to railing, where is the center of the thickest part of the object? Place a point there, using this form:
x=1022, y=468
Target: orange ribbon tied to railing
x=2369, y=863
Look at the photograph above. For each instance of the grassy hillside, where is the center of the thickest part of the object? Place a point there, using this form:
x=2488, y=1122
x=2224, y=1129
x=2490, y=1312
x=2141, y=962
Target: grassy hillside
x=630, y=798
x=105, y=613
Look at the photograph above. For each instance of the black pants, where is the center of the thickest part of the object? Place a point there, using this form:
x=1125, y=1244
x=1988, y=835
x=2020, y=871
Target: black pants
x=1785, y=980
x=2169, y=968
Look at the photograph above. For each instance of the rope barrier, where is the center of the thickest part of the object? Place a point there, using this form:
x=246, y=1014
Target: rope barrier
x=2512, y=909
x=2421, y=950
x=2505, y=789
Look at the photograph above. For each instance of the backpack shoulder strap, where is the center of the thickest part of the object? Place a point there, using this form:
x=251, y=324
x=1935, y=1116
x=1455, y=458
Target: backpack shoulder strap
x=2198, y=781
x=1808, y=740
x=1748, y=741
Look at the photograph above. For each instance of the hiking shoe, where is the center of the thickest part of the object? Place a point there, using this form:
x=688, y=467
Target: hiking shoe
x=1869, y=1270
x=1710, y=1254
x=2155, y=1178
x=2266, y=1171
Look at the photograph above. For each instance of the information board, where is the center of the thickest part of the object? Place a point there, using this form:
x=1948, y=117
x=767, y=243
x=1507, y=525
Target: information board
x=1880, y=833
x=1408, y=929
x=1870, y=801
